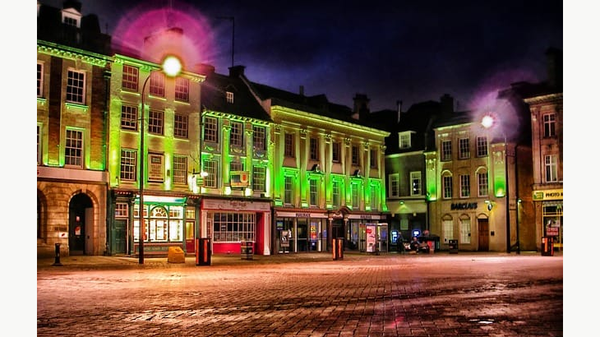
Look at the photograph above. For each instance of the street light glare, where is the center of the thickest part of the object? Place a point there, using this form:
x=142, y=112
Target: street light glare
x=171, y=66
x=487, y=121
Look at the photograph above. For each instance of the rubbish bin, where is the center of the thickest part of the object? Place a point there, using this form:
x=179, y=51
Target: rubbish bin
x=338, y=249
x=547, y=246
x=203, y=252
x=453, y=246
x=247, y=250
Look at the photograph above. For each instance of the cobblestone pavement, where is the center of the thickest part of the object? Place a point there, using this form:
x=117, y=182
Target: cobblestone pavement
x=438, y=294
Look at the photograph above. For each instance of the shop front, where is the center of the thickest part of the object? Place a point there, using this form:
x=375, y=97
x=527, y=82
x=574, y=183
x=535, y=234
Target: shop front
x=302, y=231
x=229, y=222
x=549, y=216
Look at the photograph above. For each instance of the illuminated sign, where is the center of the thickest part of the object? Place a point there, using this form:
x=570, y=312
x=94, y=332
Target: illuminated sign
x=239, y=179
x=548, y=195
x=463, y=205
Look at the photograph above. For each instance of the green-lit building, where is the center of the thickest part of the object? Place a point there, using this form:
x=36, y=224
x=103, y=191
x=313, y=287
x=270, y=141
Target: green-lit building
x=72, y=81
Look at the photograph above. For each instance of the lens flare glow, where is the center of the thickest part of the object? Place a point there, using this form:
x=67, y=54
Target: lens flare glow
x=154, y=33
x=171, y=66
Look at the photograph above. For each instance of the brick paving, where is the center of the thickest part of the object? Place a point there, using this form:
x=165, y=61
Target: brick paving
x=304, y=295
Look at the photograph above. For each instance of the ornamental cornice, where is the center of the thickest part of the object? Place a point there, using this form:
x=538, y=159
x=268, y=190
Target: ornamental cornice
x=544, y=98
x=71, y=53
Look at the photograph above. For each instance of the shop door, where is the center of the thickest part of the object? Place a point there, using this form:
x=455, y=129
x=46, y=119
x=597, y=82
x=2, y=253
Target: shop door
x=190, y=242
x=382, y=237
x=302, y=235
x=120, y=237
x=483, y=226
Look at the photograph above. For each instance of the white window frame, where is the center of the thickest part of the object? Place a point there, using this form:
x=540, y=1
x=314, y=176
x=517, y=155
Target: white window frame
x=446, y=152
x=482, y=146
x=465, y=230
x=156, y=122
x=464, y=151
x=229, y=97
x=447, y=186
x=128, y=166
x=415, y=177
x=130, y=78
x=447, y=230
x=483, y=184
x=211, y=129
x=259, y=137
x=335, y=194
x=74, y=148
x=288, y=194
x=156, y=167
x=259, y=178
x=180, y=171
x=313, y=192
x=157, y=84
x=182, y=89
x=236, y=134
x=40, y=79
x=551, y=168
x=394, y=184
x=211, y=167
x=76, y=86
x=549, y=121
x=180, y=125
x=404, y=140
x=129, y=117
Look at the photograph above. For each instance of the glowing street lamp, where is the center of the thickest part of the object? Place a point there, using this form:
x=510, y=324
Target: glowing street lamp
x=489, y=121
x=171, y=67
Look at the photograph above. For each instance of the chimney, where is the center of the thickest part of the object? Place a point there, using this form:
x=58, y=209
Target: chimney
x=554, y=61
x=399, y=109
x=447, y=104
x=236, y=71
x=361, y=106
x=204, y=69
x=301, y=90
x=72, y=4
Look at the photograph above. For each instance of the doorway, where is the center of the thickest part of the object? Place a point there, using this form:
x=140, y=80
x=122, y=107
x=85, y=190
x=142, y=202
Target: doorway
x=483, y=227
x=80, y=225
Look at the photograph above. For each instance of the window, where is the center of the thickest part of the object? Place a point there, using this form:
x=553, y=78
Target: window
x=128, y=165
x=155, y=122
x=394, y=185
x=288, y=190
x=465, y=186
x=211, y=130
x=373, y=159
x=40, y=79
x=182, y=89
x=415, y=180
x=404, y=140
x=164, y=223
x=336, y=151
x=482, y=180
x=180, y=127
x=259, y=137
x=157, y=84
x=236, y=136
x=259, y=178
x=355, y=156
x=549, y=125
x=482, y=147
x=314, y=148
x=180, y=170
x=463, y=148
x=233, y=227
x=74, y=148
x=156, y=167
x=447, y=186
x=229, y=95
x=129, y=117
x=122, y=210
x=447, y=230
x=39, y=144
x=551, y=168
x=465, y=230
x=130, y=78
x=70, y=22
x=314, y=192
x=374, y=199
x=211, y=167
x=75, y=86
x=236, y=165
x=355, y=196
x=335, y=194
x=288, y=149
x=446, y=150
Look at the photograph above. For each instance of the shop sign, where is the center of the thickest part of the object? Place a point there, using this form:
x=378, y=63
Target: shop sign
x=548, y=195
x=463, y=205
x=303, y=215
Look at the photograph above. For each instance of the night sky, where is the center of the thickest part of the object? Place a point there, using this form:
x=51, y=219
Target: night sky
x=411, y=51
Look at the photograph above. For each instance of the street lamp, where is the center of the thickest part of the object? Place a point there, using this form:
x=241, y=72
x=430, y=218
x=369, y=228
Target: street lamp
x=489, y=121
x=171, y=66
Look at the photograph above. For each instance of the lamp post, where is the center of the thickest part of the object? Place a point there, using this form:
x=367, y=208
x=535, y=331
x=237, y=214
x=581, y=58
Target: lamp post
x=488, y=121
x=171, y=66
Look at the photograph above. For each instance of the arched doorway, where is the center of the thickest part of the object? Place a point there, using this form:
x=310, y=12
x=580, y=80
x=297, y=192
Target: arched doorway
x=80, y=224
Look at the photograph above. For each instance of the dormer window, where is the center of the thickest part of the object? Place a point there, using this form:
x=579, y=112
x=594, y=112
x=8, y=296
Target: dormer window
x=229, y=97
x=404, y=140
x=71, y=17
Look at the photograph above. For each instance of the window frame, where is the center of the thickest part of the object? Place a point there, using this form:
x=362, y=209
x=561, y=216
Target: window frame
x=74, y=148
x=129, y=117
x=130, y=78
x=157, y=84
x=549, y=125
x=236, y=134
x=483, y=184
x=181, y=126
x=464, y=151
x=211, y=129
x=40, y=79
x=129, y=162
x=550, y=168
x=447, y=188
x=314, y=148
x=289, y=148
x=75, y=93
x=156, y=122
x=355, y=155
x=259, y=178
x=482, y=146
x=465, y=185
x=182, y=89
x=336, y=151
x=416, y=177
x=180, y=171
x=446, y=150
x=394, y=185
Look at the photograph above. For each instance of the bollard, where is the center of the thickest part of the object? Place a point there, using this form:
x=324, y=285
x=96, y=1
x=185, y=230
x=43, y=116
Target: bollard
x=57, y=255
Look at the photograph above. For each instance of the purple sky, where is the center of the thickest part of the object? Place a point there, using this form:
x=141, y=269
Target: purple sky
x=389, y=50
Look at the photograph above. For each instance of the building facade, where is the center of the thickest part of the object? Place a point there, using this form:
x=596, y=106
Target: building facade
x=72, y=81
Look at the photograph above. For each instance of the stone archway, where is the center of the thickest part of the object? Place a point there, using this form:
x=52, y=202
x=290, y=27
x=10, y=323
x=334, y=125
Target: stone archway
x=81, y=219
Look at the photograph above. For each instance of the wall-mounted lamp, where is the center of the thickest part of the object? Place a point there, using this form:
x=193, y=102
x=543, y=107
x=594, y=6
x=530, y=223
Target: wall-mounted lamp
x=357, y=173
x=489, y=205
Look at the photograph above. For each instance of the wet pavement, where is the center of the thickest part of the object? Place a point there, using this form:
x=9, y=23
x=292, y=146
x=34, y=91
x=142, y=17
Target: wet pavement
x=441, y=294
